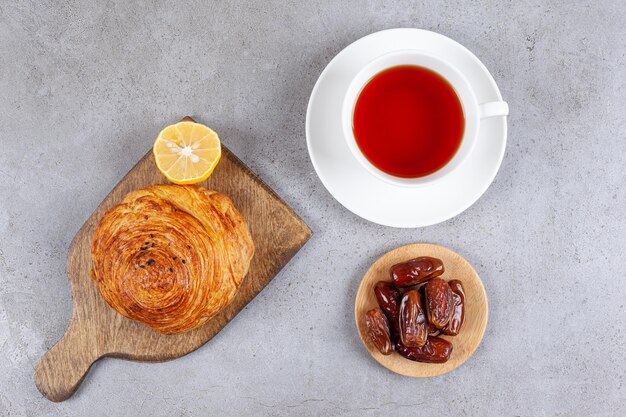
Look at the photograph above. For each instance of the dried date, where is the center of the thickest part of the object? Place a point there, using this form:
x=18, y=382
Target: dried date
x=378, y=330
x=389, y=298
x=416, y=271
x=432, y=330
x=412, y=320
x=438, y=302
x=458, y=312
x=435, y=350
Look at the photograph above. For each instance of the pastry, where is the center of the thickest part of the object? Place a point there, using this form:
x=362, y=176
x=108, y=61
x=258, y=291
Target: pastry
x=171, y=256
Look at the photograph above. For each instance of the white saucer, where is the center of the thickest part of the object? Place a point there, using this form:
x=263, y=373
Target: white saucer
x=366, y=195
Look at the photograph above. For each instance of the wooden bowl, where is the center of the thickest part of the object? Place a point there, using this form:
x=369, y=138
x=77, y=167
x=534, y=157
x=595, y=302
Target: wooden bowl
x=476, y=309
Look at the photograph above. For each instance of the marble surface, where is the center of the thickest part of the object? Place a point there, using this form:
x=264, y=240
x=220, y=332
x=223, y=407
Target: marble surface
x=86, y=85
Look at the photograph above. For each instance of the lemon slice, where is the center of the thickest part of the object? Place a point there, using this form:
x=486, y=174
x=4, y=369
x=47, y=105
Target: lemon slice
x=187, y=152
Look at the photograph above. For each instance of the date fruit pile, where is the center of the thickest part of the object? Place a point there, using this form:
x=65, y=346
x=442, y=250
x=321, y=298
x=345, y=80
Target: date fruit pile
x=415, y=307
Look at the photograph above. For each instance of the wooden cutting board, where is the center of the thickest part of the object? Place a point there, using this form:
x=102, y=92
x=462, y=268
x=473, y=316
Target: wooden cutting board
x=97, y=331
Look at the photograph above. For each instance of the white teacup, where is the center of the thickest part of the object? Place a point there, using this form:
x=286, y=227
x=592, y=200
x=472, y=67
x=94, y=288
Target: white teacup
x=473, y=111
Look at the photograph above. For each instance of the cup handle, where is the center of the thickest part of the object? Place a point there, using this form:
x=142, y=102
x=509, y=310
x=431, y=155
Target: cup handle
x=493, y=109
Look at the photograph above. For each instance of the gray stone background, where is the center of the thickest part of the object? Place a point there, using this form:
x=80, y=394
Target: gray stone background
x=86, y=86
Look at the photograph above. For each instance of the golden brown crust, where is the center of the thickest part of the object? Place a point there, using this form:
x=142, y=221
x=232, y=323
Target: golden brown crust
x=171, y=256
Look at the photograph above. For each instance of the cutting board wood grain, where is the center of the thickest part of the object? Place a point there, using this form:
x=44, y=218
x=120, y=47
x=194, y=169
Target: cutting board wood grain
x=97, y=331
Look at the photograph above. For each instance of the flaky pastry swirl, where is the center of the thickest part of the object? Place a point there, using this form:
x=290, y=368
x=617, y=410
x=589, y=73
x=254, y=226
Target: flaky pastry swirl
x=171, y=256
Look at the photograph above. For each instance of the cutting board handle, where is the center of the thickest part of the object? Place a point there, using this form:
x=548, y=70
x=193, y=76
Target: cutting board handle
x=61, y=370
